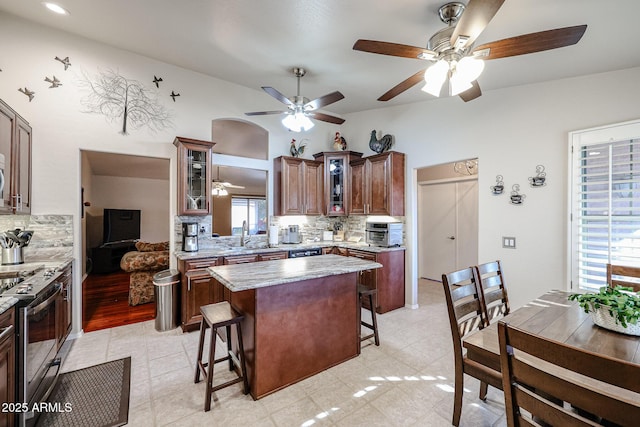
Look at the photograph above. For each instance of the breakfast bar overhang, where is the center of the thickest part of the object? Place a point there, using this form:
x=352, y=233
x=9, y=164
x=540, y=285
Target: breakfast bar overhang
x=300, y=315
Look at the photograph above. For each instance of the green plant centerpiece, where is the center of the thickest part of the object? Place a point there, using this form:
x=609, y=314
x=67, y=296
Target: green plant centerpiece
x=616, y=308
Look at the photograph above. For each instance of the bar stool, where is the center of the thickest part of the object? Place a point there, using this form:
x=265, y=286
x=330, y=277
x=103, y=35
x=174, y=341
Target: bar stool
x=215, y=316
x=364, y=291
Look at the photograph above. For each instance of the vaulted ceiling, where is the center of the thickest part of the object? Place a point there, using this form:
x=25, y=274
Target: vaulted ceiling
x=256, y=43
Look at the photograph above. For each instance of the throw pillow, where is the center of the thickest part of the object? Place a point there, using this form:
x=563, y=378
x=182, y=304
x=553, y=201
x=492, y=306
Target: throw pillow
x=152, y=247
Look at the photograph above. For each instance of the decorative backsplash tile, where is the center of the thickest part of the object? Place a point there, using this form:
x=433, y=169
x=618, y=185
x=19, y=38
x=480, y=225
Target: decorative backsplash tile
x=311, y=228
x=52, y=234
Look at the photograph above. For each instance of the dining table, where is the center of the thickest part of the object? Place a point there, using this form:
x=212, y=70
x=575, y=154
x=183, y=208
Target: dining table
x=554, y=317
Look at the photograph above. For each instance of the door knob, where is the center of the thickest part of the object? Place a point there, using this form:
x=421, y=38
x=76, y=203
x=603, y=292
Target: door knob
x=451, y=238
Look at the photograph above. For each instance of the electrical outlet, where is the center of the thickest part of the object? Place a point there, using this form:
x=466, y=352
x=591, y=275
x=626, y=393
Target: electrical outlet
x=509, y=242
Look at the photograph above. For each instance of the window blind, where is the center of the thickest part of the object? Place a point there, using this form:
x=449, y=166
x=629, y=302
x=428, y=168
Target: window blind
x=605, y=207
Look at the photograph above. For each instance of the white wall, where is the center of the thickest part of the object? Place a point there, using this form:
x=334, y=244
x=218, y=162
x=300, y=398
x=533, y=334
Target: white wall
x=61, y=130
x=510, y=131
x=151, y=196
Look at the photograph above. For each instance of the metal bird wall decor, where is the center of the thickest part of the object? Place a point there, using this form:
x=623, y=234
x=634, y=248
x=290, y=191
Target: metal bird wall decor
x=54, y=82
x=157, y=80
x=64, y=62
x=380, y=145
x=174, y=95
x=27, y=92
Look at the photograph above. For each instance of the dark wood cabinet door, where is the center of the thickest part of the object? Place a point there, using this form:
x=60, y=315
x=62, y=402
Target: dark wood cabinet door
x=7, y=132
x=199, y=293
x=198, y=289
x=380, y=180
x=194, y=176
x=313, y=187
x=290, y=176
x=359, y=190
x=22, y=177
x=7, y=365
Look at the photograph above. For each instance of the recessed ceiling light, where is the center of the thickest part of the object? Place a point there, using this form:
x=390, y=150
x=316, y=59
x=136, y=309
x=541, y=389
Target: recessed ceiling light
x=55, y=8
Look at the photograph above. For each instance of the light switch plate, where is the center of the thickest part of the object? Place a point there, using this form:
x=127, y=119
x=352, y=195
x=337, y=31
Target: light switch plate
x=509, y=242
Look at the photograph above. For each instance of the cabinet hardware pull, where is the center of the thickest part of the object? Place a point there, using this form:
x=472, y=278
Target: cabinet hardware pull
x=188, y=283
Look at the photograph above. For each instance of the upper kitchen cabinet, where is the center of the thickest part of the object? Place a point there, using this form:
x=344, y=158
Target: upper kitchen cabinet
x=15, y=162
x=298, y=186
x=377, y=185
x=194, y=176
x=337, y=177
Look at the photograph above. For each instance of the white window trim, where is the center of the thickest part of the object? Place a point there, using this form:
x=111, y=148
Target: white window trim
x=609, y=133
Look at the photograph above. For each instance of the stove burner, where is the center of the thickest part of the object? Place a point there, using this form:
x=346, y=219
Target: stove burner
x=6, y=284
x=24, y=289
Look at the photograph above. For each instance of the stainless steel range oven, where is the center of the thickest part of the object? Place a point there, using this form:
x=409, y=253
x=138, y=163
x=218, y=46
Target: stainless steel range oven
x=36, y=345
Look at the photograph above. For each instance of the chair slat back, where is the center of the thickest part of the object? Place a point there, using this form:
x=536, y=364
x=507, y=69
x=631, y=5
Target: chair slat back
x=621, y=275
x=539, y=374
x=494, y=293
x=463, y=304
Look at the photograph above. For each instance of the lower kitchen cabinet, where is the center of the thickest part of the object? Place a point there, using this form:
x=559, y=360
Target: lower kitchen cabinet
x=198, y=289
x=7, y=364
x=64, y=308
x=388, y=280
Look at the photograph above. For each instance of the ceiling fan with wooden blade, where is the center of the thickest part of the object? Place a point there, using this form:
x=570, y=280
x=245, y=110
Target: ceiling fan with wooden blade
x=454, y=56
x=299, y=109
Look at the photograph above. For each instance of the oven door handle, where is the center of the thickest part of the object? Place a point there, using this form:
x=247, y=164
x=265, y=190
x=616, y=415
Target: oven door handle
x=8, y=331
x=43, y=305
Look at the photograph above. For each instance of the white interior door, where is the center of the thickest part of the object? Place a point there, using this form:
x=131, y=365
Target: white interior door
x=448, y=227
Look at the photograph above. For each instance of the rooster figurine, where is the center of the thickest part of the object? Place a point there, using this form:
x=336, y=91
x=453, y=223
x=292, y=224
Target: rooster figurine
x=380, y=145
x=297, y=151
x=339, y=143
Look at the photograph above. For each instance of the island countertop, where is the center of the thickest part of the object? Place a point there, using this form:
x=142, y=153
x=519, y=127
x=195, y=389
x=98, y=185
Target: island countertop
x=240, y=277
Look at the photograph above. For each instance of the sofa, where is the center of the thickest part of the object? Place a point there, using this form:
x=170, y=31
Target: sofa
x=143, y=264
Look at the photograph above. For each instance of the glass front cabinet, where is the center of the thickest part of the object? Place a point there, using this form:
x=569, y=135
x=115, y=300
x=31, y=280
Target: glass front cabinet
x=337, y=180
x=194, y=176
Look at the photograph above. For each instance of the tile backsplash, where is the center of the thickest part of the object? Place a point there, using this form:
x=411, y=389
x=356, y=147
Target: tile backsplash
x=311, y=228
x=52, y=234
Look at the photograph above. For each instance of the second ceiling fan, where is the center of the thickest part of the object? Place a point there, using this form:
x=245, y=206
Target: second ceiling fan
x=299, y=109
x=453, y=54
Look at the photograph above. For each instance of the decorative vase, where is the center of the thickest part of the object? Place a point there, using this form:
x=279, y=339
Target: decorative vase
x=604, y=319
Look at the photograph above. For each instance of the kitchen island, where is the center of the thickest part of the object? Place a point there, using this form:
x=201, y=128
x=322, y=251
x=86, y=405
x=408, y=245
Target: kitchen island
x=300, y=315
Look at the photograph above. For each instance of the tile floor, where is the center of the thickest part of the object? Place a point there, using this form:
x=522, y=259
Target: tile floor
x=407, y=381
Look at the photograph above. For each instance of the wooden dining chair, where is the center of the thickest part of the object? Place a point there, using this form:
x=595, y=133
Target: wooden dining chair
x=494, y=293
x=540, y=374
x=623, y=276
x=466, y=316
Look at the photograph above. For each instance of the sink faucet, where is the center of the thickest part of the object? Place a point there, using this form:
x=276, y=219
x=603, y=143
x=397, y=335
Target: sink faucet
x=245, y=228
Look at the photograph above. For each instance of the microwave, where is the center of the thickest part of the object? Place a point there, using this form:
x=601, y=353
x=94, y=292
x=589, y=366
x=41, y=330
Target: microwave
x=384, y=234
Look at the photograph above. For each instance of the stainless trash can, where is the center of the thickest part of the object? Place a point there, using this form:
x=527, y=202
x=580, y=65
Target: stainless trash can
x=166, y=295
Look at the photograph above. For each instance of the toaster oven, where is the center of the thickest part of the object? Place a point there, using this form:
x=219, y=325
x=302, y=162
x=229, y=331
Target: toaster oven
x=384, y=234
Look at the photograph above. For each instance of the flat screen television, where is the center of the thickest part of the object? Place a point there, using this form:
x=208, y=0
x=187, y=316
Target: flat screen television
x=121, y=225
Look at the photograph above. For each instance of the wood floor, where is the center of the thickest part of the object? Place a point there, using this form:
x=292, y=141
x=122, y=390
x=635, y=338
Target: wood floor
x=105, y=301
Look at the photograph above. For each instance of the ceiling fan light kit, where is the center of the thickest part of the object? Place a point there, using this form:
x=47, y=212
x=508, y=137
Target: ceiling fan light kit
x=300, y=110
x=453, y=53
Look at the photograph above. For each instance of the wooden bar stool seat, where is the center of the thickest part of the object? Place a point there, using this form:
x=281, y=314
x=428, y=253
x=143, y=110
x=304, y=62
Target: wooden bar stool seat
x=215, y=316
x=366, y=292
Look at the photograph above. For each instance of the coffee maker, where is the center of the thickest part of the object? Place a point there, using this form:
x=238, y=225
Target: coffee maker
x=190, y=236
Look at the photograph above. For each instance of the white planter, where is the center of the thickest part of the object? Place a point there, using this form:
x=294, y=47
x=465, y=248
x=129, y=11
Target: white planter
x=601, y=317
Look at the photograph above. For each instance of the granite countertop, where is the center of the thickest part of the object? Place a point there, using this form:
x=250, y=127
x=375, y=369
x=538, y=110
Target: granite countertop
x=213, y=252
x=240, y=277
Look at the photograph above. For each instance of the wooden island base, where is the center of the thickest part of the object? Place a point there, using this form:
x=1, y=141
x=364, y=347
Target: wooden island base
x=295, y=330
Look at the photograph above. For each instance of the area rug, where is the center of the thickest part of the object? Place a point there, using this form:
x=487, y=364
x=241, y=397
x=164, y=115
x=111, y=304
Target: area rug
x=96, y=396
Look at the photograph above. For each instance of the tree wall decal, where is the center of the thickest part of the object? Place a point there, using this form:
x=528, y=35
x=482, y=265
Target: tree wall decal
x=119, y=98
